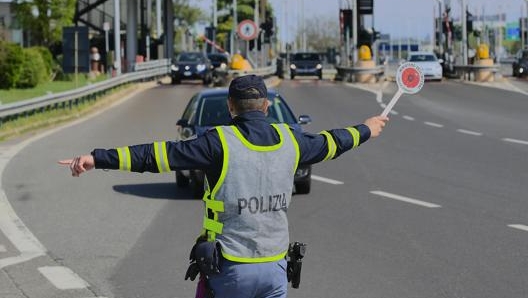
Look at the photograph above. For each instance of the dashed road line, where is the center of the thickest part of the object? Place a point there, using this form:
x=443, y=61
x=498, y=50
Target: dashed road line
x=469, y=132
x=404, y=199
x=408, y=118
x=63, y=278
x=433, y=124
x=516, y=141
x=519, y=227
x=327, y=180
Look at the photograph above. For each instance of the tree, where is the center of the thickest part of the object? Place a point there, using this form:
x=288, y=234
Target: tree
x=186, y=16
x=44, y=19
x=322, y=33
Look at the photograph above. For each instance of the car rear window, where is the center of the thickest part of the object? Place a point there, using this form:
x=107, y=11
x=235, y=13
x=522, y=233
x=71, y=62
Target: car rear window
x=214, y=111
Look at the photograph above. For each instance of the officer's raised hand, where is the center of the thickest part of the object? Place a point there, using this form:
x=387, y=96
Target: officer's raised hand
x=79, y=164
x=376, y=124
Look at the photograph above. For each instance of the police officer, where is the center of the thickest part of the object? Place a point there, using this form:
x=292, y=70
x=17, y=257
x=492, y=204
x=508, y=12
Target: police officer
x=249, y=170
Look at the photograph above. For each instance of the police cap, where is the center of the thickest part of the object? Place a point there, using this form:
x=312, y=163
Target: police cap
x=247, y=87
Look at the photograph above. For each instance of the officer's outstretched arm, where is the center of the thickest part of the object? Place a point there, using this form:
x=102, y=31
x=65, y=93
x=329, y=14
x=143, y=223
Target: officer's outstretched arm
x=376, y=124
x=79, y=164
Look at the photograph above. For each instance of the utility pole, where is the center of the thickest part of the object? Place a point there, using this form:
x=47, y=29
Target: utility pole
x=354, y=31
x=464, y=33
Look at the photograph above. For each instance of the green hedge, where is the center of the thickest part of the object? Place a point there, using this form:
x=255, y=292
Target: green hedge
x=11, y=59
x=34, y=70
x=24, y=67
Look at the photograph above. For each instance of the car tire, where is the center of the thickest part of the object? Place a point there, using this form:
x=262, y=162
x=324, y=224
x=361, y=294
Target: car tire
x=320, y=76
x=181, y=180
x=292, y=77
x=175, y=81
x=303, y=187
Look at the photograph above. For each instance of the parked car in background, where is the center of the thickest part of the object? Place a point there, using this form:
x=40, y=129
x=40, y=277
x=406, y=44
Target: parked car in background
x=191, y=66
x=220, y=65
x=430, y=65
x=520, y=65
x=208, y=108
x=306, y=64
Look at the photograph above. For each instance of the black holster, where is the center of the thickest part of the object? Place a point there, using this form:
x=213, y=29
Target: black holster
x=204, y=259
x=296, y=251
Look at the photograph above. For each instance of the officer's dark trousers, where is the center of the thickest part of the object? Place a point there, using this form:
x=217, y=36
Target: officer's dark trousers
x=256, y=280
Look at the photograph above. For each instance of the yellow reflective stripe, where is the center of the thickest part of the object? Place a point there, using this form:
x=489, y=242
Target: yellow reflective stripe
x=256, y=147
x=296, y=145
x=254, y=260
x=213, y=225
x=215, y=206
x=332, y=147
x=125, y=162
x=355, y=135
x=160, y=153
x=225, y=162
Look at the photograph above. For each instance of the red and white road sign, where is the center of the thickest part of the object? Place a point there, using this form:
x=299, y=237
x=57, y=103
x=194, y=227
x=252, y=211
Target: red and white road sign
x=247, y=30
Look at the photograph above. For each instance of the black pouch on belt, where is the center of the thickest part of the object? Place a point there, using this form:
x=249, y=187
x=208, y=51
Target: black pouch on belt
x=205, y=259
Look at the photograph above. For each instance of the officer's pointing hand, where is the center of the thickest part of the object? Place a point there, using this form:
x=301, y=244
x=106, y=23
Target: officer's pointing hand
x=376, y=124
x=79, y=164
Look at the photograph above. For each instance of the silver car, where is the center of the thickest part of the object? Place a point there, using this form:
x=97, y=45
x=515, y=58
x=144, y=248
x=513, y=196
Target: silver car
x=430, y=65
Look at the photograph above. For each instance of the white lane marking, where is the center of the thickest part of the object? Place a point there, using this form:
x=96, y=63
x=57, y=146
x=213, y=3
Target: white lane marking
x=433, y=124
x=515, y=141
x=404, y=199
x=469, y=132
x=519, y=227
x=327, y=180
x=10, y=224
x=2, y=248
x=408, y=118
x=63, y=278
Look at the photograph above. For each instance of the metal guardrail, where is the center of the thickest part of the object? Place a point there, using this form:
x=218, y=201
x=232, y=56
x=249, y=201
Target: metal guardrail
x=347, y=73
x=462, y=71
x=143, y=71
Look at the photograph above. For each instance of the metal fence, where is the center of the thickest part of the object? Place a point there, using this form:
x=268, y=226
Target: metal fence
x=66, y=100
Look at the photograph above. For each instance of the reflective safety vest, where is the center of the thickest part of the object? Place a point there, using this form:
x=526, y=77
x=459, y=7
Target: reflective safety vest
x=246, y=209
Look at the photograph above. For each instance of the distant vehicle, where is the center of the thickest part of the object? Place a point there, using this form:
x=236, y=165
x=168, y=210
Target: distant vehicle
x=191, y=66
x=520, y=65
x=428, y=63
x=306, y=64
x=220, y=66
x=208, y=108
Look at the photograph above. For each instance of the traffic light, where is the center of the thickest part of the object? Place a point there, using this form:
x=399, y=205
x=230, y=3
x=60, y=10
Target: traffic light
x=267, y=26
x=346, y=22
x=469, y=21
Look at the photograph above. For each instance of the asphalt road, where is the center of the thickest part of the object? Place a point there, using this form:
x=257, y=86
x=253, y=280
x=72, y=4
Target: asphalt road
x=436, y=207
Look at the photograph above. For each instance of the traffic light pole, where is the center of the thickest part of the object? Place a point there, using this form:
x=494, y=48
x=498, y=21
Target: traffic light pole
x=464, y=33
x=354, y=31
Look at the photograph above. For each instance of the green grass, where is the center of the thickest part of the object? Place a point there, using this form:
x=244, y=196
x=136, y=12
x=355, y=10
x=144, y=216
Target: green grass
x=13, y=95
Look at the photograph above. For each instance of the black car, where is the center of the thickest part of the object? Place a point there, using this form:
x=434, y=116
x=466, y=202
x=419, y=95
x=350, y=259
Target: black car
x=306, y=64
x=191, y=66
x=520, y=65
x=208, y=108
x=220, y=65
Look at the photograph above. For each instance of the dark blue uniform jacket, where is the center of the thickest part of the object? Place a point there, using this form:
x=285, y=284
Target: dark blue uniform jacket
x=205, y=152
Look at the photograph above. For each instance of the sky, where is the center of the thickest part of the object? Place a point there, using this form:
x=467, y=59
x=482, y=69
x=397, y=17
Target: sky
x=399, y=18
